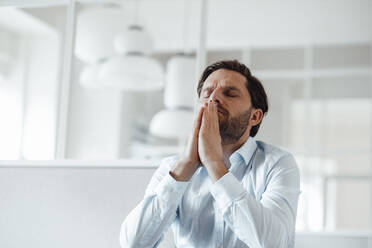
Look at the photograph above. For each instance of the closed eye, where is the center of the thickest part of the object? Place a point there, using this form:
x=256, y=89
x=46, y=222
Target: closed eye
x=231, y=94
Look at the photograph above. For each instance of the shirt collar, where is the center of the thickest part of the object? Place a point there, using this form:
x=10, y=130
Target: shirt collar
x=245, y=152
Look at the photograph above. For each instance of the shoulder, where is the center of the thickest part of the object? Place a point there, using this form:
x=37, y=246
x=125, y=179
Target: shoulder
x=278, y=165
x=272, y=156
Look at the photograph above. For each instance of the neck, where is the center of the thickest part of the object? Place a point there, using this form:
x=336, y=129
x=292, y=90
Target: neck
x=230, y=148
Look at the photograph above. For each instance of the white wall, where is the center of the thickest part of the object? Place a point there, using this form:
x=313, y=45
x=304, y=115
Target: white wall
x=84, y=207
x=59, y=207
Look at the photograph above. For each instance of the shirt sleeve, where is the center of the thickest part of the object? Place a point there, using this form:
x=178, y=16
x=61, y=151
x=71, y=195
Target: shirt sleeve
x=269, y=222
x=147, y=222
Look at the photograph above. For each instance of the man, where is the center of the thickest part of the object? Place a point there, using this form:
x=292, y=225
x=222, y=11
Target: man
x=226, y=190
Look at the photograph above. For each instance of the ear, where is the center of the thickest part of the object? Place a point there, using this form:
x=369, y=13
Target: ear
x=256, y=117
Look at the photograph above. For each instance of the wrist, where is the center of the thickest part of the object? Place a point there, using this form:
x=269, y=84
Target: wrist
x=183, y=170
x=188, y=163
x=216, y=169
x=212, y=162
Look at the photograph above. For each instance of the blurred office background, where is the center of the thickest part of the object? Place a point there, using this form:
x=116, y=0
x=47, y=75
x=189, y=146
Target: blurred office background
x=90, y=89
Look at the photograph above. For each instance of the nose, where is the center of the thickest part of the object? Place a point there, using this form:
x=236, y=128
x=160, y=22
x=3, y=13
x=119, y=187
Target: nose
x=216, y=95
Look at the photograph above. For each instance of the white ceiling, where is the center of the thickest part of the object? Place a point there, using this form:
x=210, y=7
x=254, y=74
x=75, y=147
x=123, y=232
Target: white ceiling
x=249, y=23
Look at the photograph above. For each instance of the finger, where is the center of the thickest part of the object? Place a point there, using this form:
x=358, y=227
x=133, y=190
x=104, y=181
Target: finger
x=198, y=120
x=205, y=116
x=213, y=116
x=212, y=110
x=213, y=107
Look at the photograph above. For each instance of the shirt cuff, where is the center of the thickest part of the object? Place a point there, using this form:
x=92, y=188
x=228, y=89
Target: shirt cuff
x=226, y=190
x=171, y=190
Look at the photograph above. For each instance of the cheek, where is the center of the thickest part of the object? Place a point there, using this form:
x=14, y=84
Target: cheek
x=235, y=111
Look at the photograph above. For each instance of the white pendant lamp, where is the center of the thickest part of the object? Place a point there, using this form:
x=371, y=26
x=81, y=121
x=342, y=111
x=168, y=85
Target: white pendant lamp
x=96, y=29
x=133, y=70
x=133, y=40
x=169, y=123
x=177, y=119
x=132, y=73
x=180, y=82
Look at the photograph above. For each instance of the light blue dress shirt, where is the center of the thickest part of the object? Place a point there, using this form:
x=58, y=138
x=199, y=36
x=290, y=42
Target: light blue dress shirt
x=253, y=205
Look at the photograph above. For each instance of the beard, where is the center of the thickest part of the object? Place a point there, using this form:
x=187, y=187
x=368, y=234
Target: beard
x=232, y=128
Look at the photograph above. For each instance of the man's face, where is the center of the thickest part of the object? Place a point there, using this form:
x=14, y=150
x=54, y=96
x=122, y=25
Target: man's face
x=228, y=89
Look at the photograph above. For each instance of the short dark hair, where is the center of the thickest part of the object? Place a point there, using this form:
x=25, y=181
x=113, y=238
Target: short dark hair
x=254, y=86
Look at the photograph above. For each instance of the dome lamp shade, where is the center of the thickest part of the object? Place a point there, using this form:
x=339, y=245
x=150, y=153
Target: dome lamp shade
x=96, y=29
x=172, y=123
x=133, y=72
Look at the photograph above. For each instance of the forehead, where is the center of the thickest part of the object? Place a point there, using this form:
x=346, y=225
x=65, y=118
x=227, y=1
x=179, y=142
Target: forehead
x=224, y=77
